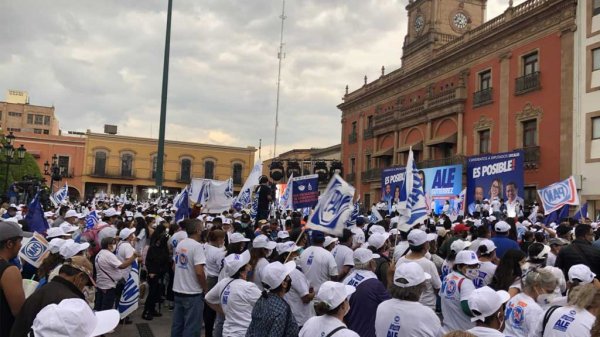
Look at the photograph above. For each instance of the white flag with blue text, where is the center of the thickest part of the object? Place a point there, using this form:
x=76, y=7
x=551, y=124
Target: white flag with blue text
x=131, y=293
x=61, y=196
x=334, y=207
x=243, y=199
x=415, y=211
x=286, y=198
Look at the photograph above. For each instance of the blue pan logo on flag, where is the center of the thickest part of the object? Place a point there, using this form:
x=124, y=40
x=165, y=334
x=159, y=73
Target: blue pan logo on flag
x=334, y=208
x=34, y=249
x=557, y=195
x=335, y=205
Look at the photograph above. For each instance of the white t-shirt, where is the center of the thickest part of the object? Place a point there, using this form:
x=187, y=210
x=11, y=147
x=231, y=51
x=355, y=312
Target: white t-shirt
x=322, y=325
x=359, y=236
x=455, y=288
x=124, y=251
x=522, y=317
x=237, y=298
x=189, y=253
x=214, y=258
x=302, y=312
x=344, y=256
x=428, y=297
x=569, y=321
x=551, y=260
x=486, y=273
x=107, y=270
x=475, y=244
x=404, y=318
x=260, y=265
x=400, y=249
x=141, y=241
x=173, y=240
x=481, y=331
x=318, y=265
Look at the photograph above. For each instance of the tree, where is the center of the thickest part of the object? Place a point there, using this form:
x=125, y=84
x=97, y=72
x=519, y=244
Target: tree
x=16, y=172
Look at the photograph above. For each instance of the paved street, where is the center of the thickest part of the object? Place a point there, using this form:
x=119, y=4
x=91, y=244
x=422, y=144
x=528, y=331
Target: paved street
x=158, y=327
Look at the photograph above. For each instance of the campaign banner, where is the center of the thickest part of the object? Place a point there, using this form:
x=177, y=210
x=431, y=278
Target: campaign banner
x=495, y=176
x=305, y=191
x=559, y=194
x=334, y=208
x=441, y=184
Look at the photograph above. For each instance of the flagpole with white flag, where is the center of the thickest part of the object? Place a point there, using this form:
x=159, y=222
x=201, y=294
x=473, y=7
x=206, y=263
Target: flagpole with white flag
x=415, y=210
x=243, y=198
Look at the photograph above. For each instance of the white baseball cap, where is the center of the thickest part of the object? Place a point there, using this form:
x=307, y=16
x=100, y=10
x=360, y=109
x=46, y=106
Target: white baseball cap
x=459, y=245
x=274, y=273
x=287, y=247
x=364, y=255
x=377, y=240
x=125, y=233
x=71, y=213
x=376, y=229
x=55, y=244
x=54, y=232
x=67, y=228
x=237, y=237
x=582, y=273
x=73, y=317
x=502, y=227
x=467, y=257
x=410, y=274
x=485, y=302
x=334, y=293
x=233, y=262
x=262, y=241
x=110, y=212
x=404, y=227
x=489, y=246
x=71, y=248
x=329, y=240
x=417, y=237
x=283, y=235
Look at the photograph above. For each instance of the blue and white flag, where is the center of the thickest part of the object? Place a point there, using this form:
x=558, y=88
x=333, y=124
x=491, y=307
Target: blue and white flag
x=183, y=206
x=254, y=206
x=34, y=250
x=91, y=220
x=243, y=199
x=559, y=194
x=415, y=210
x=35, y=216
x=582, y=213
x=334, y=207
x=60, y=197
x=128, y=302
x=286, y=197
x=229, y=189
x=375, y=215
x=355, y=213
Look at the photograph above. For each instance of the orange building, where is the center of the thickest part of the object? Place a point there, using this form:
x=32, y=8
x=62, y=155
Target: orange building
x=70, y=152
x=468, y=87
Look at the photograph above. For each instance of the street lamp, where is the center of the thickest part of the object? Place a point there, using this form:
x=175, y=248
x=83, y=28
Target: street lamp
x=53, y=171
x=9, y=152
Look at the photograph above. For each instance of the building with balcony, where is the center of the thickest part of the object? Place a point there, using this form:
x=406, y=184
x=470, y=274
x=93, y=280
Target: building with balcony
x=466, y=87
x=17, y=115
x=586, y=124
x=117, y=164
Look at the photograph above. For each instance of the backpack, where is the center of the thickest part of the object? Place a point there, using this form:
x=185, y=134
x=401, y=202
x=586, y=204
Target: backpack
x=91, y=236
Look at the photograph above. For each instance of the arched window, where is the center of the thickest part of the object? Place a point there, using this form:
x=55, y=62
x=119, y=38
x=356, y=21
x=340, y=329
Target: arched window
x=209, y=169
x=237, y=174
x=127, y=165
x=154, y=165
x=186, y=170
x=100, y=163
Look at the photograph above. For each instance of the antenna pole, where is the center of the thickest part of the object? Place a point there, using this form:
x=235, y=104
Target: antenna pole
x=280, y=56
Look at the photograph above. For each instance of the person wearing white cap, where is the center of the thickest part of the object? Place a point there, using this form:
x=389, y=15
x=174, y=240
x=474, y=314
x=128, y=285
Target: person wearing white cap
x=215, y=253
x=401, y=248
x=234, y=296
x=455, y=248
x=332, y=303
x=343, y=253
x=487, y=268
x=301, y=294
x=56, y=232
x=359, y=232
x=486, y=304
x=577, y=318
x=71, y=217
x=330, y=242
x=68, y=229
x=370, y=292
x=53, y=259
x=403, y=315
x=272, y=316
x=124, y=251
x=537, y=256
x=501, y=240
x=317, y=263
x=456, y=289
x=73, y=317
x=419, y=246
x=262, y=248
x=71, y=248
x=378, y=243
x=523, y=314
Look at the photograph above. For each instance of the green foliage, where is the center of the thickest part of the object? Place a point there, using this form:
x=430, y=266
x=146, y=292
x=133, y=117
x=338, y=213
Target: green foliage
x=17, y=171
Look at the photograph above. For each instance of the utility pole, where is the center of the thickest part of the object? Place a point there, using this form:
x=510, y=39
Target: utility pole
x=163, y=104
x=280, y=56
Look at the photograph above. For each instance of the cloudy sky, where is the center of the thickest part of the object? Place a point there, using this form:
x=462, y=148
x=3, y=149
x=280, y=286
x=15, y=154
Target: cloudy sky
x=100, y=62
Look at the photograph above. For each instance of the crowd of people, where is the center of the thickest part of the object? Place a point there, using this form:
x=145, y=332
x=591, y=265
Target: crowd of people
x=231, y=275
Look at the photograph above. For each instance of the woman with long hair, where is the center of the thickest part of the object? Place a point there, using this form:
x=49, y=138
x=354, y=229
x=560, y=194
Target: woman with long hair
x=157, y=265
x=508, y=274
x=262, y=248
x=581, y=313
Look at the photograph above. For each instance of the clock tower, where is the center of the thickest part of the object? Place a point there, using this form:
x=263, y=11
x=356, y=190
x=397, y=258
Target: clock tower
x=432, y=23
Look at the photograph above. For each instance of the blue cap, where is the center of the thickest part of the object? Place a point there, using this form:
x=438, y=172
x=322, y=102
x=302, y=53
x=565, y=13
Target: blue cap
x=360, y=220
x=316, y=235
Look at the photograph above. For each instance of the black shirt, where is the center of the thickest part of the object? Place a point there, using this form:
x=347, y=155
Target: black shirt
x=264, y=191
x=6, y=317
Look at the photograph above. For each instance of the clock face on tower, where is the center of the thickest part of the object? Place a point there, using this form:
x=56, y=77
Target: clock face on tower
x=460, y=20
x=419, y=23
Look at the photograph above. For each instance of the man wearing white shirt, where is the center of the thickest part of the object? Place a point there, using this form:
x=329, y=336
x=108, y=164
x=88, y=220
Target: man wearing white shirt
x=189, y=282
x=317, y=263
x=359, y=232
x=343, y=254
x=488, y=314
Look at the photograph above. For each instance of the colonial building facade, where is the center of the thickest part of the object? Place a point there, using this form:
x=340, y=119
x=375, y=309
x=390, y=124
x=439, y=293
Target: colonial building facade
x=468, y=87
